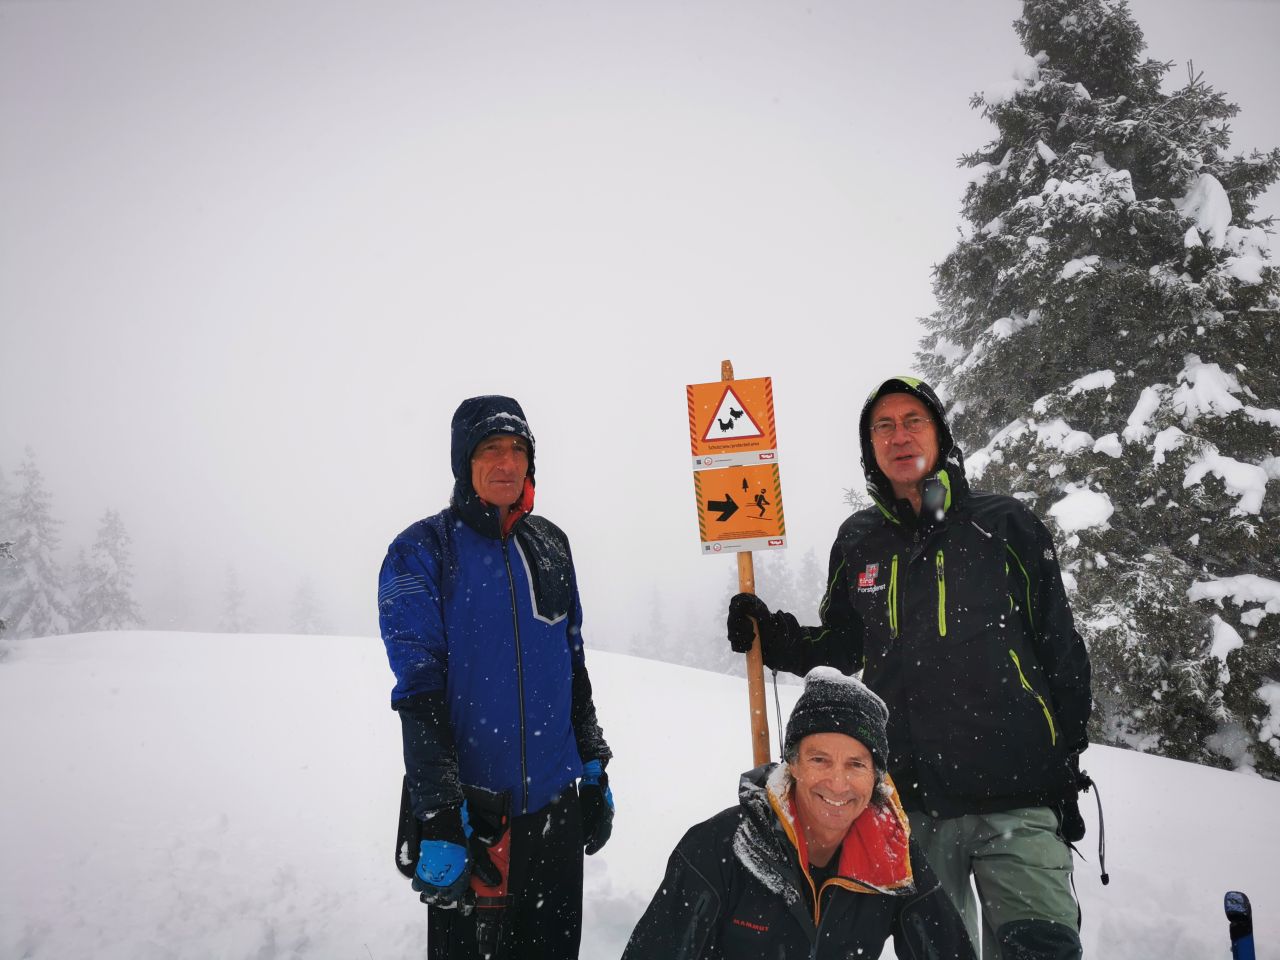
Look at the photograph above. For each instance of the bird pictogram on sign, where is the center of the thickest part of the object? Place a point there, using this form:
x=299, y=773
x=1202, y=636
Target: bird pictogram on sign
x=731, y=421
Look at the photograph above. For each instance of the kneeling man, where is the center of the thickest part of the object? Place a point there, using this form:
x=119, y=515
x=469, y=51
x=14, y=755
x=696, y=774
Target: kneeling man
x=816, y=860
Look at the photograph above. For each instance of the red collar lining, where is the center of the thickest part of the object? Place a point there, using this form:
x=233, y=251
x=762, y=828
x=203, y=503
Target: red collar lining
x=875, y=850
x=520, y=507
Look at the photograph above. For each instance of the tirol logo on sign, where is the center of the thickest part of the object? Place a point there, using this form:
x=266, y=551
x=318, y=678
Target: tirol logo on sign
x=731, y=423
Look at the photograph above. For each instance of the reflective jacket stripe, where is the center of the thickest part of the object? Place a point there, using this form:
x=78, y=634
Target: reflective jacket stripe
x=893, y=597
x=1031, y=617
x=1026, y=685
x=942, y=597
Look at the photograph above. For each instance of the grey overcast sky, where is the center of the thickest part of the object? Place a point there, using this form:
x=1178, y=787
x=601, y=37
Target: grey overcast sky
x=253, y=254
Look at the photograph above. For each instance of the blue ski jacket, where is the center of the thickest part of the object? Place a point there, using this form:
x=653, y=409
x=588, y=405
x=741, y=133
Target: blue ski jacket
x=482, y=629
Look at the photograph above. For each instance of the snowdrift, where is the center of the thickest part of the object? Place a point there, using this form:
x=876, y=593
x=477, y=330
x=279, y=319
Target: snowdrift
x=193, y=795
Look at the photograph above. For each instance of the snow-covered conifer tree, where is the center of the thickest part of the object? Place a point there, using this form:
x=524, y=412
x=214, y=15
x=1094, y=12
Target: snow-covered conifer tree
x=104, y=578
x=811, y=586
x=1105, y=337
x=658, y=641
x=233, y=618
x=8, y=563
x=776, y=580
x=34, y=603
x=700, y=633
x=305, y=615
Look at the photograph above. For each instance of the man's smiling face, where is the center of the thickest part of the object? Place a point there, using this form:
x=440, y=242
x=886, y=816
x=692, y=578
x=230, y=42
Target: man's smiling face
x=498, y=468
x=906, y=455
x=834, y=777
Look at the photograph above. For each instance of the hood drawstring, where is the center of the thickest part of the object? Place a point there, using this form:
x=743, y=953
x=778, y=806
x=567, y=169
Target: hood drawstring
x=777, y=706
x=1087, y=784
x=1084, y=783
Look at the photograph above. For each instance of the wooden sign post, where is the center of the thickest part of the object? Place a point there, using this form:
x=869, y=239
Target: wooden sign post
x=734, y=444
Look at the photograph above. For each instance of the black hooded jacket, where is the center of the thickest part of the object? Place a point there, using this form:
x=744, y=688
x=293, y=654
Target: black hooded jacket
x=959, y=620
x=736, y=888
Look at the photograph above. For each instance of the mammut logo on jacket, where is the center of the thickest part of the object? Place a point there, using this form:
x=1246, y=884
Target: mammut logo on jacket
x=757, y=927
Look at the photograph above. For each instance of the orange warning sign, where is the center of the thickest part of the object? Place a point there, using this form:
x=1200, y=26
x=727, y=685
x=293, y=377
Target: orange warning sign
x=740, y=508
x=731, y=423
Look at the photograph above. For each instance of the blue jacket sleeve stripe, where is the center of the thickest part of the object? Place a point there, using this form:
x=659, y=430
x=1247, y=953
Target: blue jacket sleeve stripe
x=410, y=616
x=401, y=586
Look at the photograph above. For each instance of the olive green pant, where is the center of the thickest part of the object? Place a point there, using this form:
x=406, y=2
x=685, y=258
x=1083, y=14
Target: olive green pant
x=1022, y=869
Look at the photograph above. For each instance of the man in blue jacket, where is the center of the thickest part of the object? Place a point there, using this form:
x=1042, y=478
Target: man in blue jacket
x=504, y=758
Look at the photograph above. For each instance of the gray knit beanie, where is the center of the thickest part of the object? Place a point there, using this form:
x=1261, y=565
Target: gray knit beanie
x=835, y=703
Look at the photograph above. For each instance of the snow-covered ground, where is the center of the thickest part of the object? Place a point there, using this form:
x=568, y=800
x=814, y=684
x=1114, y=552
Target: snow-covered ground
x=225, y=796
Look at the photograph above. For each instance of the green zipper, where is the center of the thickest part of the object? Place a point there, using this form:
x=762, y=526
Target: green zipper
x=942, y=597
x=1027, y=580
x=893, y=597
x=1026, y=685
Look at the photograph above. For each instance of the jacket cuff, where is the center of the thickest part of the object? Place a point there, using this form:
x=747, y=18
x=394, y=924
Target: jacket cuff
x=444, y=824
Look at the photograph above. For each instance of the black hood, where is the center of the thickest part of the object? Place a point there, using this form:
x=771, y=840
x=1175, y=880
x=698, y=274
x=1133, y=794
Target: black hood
x=480, y=417
x=947, y=482
x=475, y=419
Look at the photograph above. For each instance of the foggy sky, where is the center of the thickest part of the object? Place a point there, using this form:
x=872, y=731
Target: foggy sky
x=252, y=256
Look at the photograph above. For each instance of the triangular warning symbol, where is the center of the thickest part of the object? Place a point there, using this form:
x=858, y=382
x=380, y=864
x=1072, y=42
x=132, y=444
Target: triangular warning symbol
x=732, y=420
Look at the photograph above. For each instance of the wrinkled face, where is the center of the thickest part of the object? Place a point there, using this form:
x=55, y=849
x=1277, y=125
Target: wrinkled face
x=498, y=468
x=834, y=779
x=905, y=440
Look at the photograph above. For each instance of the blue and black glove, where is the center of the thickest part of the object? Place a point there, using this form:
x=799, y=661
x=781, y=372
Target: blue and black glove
x=596, y=801
x=744, y=608
x=447, y=856
x=443, y=873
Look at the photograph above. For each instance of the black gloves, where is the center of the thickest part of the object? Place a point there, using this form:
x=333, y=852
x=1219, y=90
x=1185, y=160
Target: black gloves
x=596, y=801
x=450, y=852
x=742, y=608
x=443, y=873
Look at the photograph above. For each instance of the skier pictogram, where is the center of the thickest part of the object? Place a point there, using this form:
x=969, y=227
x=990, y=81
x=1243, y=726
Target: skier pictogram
x=761, y=501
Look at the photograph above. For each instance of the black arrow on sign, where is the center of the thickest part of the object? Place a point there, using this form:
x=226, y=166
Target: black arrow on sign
x=726, y=507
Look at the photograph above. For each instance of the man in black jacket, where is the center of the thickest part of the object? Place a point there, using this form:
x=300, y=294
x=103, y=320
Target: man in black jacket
x=815, y=861
x=951, y=603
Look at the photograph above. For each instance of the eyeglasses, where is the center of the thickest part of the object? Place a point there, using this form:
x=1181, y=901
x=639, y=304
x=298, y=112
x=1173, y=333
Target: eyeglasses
x=884, y=429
